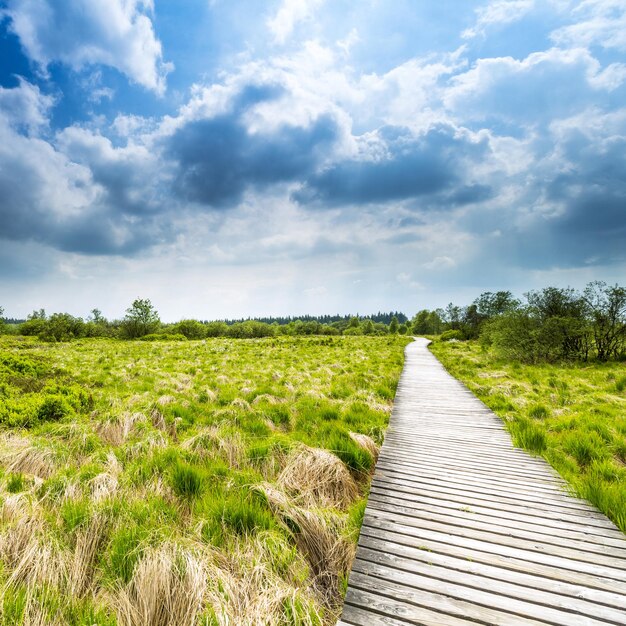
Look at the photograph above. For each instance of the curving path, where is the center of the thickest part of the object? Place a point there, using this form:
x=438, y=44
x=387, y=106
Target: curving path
x=463, y=528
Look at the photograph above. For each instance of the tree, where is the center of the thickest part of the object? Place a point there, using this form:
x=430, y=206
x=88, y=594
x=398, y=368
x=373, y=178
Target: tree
x=453, y=316
x=490, y=304
x=97, y=317
x=62, y=327
x=368, y=327
x=141, y=319
x=354, y=322
x=427, y=322
x=607, y=309
x=563, y=316
x=393, y=325
x=35, y=323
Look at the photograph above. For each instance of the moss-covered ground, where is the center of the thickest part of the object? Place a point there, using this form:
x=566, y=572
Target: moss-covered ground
x=200, y=482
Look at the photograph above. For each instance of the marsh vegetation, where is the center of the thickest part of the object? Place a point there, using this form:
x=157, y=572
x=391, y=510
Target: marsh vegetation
x=198, y=482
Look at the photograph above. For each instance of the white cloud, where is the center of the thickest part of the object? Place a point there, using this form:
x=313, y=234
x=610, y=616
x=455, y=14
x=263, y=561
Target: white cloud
x=351, y=40
x=498, y=12
x=599, y=22
x=25, y=106
x=290, y=13
x=440, y=263
x=81, y=33
x=543, y=86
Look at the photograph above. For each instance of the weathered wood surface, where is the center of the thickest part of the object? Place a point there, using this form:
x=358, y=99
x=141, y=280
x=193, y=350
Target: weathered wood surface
x=463, y=528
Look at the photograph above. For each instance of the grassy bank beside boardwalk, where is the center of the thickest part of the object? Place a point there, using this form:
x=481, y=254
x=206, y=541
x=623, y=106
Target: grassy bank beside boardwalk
x=572, y=414
x=204, y=482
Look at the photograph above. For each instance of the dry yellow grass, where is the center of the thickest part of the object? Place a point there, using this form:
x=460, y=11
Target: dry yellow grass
x=88, y=542
x=167, y=589
x=116, y=430
x=20, y=455
x=367, y=443
x=316, y=477
x=219, y=441
x=318, y=535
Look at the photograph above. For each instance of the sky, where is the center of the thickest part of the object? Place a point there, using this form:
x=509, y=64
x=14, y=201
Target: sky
x=235, y=158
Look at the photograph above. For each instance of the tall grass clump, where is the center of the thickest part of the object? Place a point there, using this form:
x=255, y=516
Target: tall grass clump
x=186, y=481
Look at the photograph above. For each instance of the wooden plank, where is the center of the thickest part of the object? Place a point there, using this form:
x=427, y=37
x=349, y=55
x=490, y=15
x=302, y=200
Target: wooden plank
x=531, y=523
x=497, y=544
x=412, y=490
x=482, y=486
x=539, y=535
x=497, y=596
x=438, y=455
x=360, y=603
x=407, y=483
x=463, y=528
x=576, y=597
x=593, y=517
x=511, y=481
x=415, y=600
x=609, y=566
x=490, y=555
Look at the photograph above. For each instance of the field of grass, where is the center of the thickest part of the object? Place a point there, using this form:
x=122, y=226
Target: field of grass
x=202, y=482
x=574, y=415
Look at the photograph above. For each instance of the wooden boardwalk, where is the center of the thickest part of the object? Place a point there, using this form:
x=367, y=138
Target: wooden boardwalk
x=463, y=528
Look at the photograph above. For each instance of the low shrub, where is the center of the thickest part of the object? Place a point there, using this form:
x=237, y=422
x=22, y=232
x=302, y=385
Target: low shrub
x=450, y=335
x=53, y=408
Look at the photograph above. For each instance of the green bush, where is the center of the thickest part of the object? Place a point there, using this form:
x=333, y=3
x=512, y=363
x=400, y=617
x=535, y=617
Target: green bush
x=192, y=329
x=450, y=335
x=53, y=408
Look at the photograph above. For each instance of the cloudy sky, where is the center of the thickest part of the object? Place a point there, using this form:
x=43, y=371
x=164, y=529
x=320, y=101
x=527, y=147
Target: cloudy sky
x=228, y=158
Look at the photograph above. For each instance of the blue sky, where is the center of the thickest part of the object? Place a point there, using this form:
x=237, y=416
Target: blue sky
x=230, y=158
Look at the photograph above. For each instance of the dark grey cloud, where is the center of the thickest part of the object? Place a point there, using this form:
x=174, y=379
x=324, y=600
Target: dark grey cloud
x=471, y=194
x=218, y=159
x=131, y=179
x=433, y=163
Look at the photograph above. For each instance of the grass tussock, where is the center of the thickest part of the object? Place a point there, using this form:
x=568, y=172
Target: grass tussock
x=316, y=477
x=167, y=589
x=115, y=431
x=320, y=537
x=367, y=443
x=19, y=455
x=261, y=581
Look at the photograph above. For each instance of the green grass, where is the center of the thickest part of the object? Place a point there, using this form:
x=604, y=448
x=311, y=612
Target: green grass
x=120, y=456
x=574, y=415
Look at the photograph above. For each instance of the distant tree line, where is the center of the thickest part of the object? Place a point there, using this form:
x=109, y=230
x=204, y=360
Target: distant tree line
x=142, y=321
x=382, y=318
x=550, y=324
